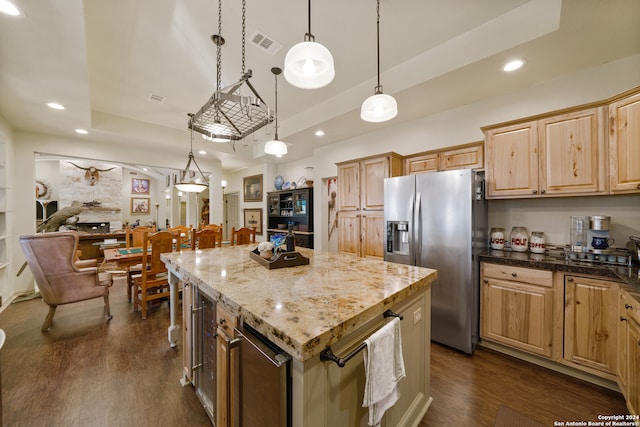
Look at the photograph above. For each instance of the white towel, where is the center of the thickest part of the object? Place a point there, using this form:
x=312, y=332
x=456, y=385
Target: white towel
x=384, y=368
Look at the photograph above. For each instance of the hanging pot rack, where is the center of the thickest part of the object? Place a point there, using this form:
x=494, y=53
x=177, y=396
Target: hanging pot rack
x=229, y=115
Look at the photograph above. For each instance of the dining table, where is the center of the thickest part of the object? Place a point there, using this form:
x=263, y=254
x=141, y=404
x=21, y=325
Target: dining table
x=123, y=257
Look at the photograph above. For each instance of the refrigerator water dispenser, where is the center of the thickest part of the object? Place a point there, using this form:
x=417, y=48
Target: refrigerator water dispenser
x=398, y=237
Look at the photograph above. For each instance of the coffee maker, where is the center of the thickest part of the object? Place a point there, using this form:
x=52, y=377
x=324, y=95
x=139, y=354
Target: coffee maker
x=598, y=234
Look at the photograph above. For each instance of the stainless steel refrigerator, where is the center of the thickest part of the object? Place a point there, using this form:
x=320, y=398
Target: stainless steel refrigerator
x=439, y=220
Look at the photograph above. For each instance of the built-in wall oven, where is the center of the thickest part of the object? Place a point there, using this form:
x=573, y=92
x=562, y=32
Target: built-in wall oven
x=240, y=377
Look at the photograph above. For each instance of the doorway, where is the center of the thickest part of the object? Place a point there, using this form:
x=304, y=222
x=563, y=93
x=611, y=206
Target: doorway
x=230, y=214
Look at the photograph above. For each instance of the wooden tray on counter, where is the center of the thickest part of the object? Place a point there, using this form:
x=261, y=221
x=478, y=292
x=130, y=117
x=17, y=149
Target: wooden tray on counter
x=282, y=260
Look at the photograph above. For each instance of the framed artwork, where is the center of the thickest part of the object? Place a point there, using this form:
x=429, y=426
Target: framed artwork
x=139, y=186
x=252, y=188
x=253, y=218
x=139, y=205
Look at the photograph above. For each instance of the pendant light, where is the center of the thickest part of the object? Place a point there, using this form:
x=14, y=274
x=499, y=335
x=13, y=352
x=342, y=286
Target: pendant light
x=309, y=65
x=276, y=147
x=379, y=107
x=188, y=182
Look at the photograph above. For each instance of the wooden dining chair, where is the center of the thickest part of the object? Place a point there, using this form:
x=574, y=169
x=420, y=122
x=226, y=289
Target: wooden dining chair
x=243, y=236
x=134, y=238
x=205, y=238
x=153, y=281
x=181, y=235
x=214, y=227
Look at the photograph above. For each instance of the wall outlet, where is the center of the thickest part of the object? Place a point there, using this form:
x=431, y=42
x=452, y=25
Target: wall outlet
x=417, y=315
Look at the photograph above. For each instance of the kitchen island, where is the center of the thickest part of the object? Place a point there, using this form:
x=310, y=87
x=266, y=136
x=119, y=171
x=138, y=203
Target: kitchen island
x=337, y=300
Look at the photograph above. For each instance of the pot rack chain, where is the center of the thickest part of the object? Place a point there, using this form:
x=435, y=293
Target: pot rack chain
x=219, y=55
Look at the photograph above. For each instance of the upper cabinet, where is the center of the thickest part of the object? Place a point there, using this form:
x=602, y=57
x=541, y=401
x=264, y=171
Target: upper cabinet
x=559, y=155
x=574, y=152
x=624, y=143
x=468, y=156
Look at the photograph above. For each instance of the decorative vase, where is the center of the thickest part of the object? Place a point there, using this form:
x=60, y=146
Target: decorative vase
x=278, y=182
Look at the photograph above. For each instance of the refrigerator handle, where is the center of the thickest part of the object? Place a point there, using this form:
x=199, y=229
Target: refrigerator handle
x=417, y=230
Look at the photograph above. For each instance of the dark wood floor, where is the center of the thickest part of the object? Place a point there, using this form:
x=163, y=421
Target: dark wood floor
x=89, y=372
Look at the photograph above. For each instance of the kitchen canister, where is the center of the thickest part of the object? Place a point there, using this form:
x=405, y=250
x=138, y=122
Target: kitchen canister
x=519, y=239
x=537, y=242
x=497, y=238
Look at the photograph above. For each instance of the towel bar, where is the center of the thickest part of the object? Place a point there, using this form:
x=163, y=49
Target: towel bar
x=327, y=353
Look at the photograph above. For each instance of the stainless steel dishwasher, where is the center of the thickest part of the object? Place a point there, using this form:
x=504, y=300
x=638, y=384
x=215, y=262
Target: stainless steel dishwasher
x=265, y=381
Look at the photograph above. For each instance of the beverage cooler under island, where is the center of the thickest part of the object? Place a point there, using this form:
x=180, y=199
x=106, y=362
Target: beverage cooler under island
x=253, y=336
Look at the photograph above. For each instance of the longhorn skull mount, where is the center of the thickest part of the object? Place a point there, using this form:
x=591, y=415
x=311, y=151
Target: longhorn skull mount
x=92, y=173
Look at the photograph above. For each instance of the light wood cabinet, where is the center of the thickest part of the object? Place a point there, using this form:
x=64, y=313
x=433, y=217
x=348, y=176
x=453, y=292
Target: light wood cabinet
x=361, y=203
x=624, y=144
x=471, y=157
x=226, y=366
x=512, y=161
x=467, y=156
x=590, y=327
x=559, y=155
x=629, y=350
x=422, y=163
x=517, y=307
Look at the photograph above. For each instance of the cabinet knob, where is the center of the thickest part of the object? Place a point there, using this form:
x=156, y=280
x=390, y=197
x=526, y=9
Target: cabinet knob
x=627, y=306
x=543, y=191
x=486, y=281
x=222, y=321
x=638, y=187
x=514, y=274
x=535, y=191
x=569, y=279
x=623, y=319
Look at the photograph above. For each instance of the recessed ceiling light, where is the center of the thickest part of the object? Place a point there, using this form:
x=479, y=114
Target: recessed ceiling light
x=319, y=133
x=55, y=106
x=513, y=65
x=202, y=152
x=81, y=131
x=9, y=8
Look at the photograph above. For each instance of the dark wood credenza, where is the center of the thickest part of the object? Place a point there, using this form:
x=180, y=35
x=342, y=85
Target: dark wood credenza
x=89, y=244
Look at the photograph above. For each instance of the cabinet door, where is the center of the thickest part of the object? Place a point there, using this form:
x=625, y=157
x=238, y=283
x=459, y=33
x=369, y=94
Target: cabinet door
x=463, y=158
x=349, y=186
x=633, y=366
x=572, y=155
x=187, y=333
x=621, y=369
x=374, y=171
x=624, y=145
x=373, y=234
x=517, y=314
x=349, y=232
x=590, y=323
x=512, y=161
x=422, y=164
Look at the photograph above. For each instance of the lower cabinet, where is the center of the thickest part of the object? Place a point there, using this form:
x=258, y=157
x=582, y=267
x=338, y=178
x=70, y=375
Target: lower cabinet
x=590, y=327
x=629, y=351
x=517, y=307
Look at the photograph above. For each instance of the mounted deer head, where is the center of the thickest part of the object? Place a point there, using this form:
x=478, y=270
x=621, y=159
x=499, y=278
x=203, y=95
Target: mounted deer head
x=92, y=174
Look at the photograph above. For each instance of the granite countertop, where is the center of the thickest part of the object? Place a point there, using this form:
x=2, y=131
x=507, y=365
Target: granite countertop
x=305, y=308
x=555, y=261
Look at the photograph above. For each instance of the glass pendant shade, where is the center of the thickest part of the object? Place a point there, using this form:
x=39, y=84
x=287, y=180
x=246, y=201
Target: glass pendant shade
x=191, y=187
x=379, y=108
x=275, y=147
x=309, y=65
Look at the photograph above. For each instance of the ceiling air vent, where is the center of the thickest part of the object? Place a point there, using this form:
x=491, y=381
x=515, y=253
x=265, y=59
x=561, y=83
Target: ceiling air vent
x=265, y=42
x=156, y=98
